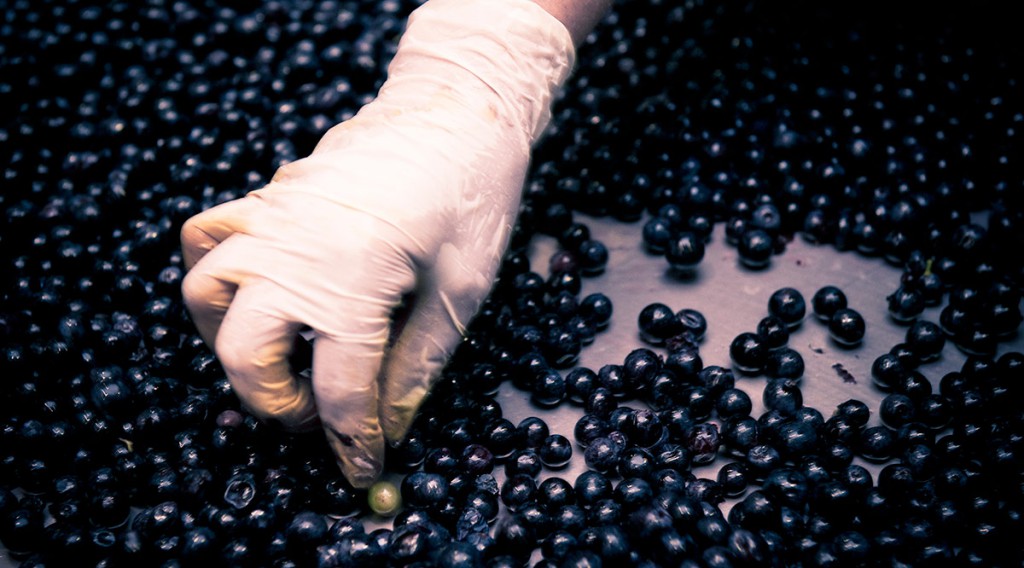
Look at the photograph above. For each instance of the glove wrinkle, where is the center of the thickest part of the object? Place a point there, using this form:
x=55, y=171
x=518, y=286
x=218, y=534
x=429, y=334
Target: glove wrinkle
x=413, y=247
x=201, y=243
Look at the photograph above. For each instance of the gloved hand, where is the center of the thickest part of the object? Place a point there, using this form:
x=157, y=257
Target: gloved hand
x=416, y=194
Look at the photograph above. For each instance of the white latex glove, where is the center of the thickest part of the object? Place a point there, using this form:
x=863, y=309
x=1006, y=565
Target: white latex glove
x=415, y=194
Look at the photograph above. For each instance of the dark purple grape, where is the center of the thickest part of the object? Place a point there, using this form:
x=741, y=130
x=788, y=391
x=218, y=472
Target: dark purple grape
x=305, y=532
x=734, y=228
x=240, y=490
x=562, y=347
x=766, y=217
x=685, y=252
x=602, y=454
x=677, y=420
x=914, y=385
x=712, y=533
x=423, y=490
x=739, y=434
x=876, y=444
x=905, y=305
x=409, y=543
x=955, y=320
x=703, y=441
x=554, y=493
x=634, y=461
x=811, y=416
x=593, y=257
x=579, y=383
x=668, y=481
x=518, y=490
x=847, y=327
x=555, y=452
x=643, y=427
x=896, y=410
x=596, y=308
x=695, y=326
x=558, y=545
x=797, y=439
x=733, y=478
x=784, y=363
x=788, y=305
x=755, y=248
x=602, y=401
x=639, y=367
x=887, y=372
x=817, y=227
x=685, y=364
x=716, y=379
x=524, y=461
x=787, y=486
x=906, y=356
x=632, y=492
x=934, y=411
x=672, y=214
x=783, y=396
x=514, y=536
x=663, y=391
x=748, y=352
x=748, y=547
x=574, y=236
x=762, y=459
x=477, y=459
x=500, y=436
x=774, y=332
x=855, y=411
x=657, y=323
x=931, y=287
x=591, y=487
x=109, y=508
x=926, y=339
x=611, y=379
x=549, y=389
x=700, y=403
x=733, y=403
x=814, y=470
x=702, y=225
x=589, y=427
x=22, y=530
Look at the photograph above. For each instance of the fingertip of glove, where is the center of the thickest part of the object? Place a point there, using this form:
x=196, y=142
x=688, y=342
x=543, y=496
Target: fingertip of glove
x=361, y=474
x=396, y=430
x=359, y=467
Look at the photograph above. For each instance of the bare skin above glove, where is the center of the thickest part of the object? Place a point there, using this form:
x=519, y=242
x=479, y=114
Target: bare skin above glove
x=415, y=195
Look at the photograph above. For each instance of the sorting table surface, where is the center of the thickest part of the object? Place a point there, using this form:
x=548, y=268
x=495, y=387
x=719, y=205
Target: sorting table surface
x=733, y=299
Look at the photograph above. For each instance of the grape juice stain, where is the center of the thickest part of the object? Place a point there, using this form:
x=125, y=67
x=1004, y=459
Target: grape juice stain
x=847, y=376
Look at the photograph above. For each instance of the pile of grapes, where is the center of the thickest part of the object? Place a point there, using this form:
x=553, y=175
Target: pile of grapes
x=892, y=132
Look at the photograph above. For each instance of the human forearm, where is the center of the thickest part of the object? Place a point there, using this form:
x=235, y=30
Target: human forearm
x=578, y=16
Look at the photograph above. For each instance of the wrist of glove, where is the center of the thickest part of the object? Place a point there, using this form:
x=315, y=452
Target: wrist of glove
x=416, y=194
